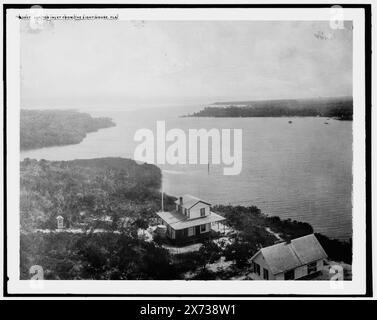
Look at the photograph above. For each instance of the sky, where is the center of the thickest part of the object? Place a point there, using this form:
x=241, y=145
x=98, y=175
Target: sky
x=123, y=63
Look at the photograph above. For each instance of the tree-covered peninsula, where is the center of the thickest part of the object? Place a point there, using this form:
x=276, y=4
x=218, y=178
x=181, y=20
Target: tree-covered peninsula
x=47, y=128
x=337, y=108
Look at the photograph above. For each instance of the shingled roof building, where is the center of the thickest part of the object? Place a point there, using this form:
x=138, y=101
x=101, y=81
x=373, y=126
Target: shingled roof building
x=192, y=219
x=289, y=260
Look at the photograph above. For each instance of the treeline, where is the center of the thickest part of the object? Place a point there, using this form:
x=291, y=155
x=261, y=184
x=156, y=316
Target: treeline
x=338, y=108
x=46, y=128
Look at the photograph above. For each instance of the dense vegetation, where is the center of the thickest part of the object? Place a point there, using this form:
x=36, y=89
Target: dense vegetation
x=84, y=190
x=99, y=256
x=46, y=128
x=105, y=202
x=240, y=218
x=338, y=108
x=114, y=195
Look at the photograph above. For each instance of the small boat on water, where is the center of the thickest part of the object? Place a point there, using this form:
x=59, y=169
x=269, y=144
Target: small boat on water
x=326, y=123
x=289, y=121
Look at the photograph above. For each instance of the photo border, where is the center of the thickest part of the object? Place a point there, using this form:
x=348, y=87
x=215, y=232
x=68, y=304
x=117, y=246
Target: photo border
x=368, y=107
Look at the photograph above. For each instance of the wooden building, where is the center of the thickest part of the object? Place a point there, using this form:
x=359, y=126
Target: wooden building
x=289, y=260
x=191, y=220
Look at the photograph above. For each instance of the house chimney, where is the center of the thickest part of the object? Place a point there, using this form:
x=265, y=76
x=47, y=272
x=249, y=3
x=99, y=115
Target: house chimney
x=180, y=200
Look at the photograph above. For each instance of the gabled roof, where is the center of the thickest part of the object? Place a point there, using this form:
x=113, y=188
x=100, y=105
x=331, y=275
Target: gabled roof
x=178, y=221
x=188, y=201
x=285, y=256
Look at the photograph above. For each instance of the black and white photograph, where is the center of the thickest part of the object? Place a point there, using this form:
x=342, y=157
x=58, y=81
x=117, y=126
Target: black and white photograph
x=222, y=148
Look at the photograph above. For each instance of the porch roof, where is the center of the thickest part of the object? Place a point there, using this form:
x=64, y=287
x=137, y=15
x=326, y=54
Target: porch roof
x=178, y=221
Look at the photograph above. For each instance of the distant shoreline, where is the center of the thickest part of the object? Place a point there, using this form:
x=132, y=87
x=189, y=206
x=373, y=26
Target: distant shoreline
x=335, y=108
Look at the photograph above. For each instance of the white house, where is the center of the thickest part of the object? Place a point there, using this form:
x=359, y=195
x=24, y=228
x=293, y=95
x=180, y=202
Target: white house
x=289, y=260
x=191, y=219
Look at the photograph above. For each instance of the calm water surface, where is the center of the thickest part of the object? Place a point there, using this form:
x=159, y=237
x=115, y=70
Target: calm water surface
x=301, y=170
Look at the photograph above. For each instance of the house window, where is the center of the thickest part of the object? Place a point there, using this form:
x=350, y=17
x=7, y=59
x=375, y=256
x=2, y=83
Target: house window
x=256, y=268
x=191, y=231
x=202, y=212
x=185, y=212
x=289, y=275
x=312, y=267
x=203, y=228
x=265, y=274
